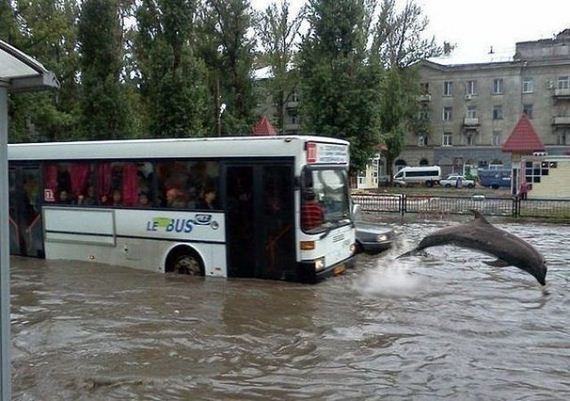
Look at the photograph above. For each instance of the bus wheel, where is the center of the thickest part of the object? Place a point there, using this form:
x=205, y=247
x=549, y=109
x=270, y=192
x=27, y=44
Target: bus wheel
x=185, y=262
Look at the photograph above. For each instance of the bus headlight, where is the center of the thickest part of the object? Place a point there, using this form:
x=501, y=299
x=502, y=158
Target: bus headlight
x=319, y=264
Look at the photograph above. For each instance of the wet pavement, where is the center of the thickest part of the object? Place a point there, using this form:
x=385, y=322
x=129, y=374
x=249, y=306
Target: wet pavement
x=440, y=327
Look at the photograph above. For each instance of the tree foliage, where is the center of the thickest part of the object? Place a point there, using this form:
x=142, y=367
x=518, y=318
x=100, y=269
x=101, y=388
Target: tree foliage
x=398, y=44
x=46, y=30
x=340, y=88
x=229, y=57
x=278, y=31
x=172, y=79
x=399, y=35
x=104, y=108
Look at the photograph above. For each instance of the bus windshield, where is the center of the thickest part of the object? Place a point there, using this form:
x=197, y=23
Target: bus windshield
x=325, y=199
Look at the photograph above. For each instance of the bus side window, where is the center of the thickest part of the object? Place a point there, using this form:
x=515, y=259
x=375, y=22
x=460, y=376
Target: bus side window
x=183, y=183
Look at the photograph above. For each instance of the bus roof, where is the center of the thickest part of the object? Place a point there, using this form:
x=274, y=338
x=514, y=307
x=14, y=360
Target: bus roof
x=243, y=146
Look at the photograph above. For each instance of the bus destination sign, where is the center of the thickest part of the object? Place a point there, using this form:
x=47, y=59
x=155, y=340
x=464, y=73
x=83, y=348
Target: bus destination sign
x=326, y=153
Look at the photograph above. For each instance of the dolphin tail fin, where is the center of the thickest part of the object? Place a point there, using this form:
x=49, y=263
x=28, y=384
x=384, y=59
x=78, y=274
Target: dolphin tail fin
x=478, y=216
x=409, y=253
x=496, y=263
x=413, y=252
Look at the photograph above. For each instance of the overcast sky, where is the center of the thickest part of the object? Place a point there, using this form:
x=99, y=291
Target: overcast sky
x=475, y=26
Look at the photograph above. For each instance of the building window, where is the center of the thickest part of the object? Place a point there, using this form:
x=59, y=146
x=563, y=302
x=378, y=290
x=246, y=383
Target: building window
x=469, y=139
x=563, y=137
x=527, y=109
x=447, y=139
x=498, y=86
x=497, y=138
x=471, y=87
x=294, y=97
x=471, y=111
x=448, y=88
x=423, y=115
x=564, y=82
x=447, y=114
x=497, y=112
x=424, y=88
x=528, y=85
x=422, y=140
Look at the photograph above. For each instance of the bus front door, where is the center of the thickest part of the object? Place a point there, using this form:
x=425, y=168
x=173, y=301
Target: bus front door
x=260, y=220
x=26, y=238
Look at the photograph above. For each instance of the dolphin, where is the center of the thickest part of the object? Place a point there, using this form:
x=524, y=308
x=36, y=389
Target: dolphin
x=480, y=235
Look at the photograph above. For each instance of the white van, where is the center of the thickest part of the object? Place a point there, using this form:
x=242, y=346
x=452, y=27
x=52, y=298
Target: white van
x=428, y=175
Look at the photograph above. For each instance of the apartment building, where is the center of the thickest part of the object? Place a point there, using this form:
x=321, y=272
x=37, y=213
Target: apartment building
x=471, y=109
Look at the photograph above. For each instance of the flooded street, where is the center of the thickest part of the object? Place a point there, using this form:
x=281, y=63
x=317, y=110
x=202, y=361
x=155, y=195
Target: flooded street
x=440, y=327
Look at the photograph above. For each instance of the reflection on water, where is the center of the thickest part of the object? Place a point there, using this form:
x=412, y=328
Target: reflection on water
x=440, y=327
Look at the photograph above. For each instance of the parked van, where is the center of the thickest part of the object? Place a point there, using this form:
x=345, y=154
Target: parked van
x=495, y=178
x=428, y=175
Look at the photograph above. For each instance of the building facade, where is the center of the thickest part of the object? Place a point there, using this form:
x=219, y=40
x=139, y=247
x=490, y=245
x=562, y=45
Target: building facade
x=471, y=109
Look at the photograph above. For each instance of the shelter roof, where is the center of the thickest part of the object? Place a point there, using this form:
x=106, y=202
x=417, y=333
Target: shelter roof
x=264, y=128
x=22, y=73
x=523, y=139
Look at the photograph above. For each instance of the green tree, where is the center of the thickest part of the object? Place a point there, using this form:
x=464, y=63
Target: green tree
x=229, y=56
x=398, y=44
x=173, y=80
x=104, y=106
x=9, y=31
x=46, y=31
x=340, y=85
x=398, y=37
x=279, y=32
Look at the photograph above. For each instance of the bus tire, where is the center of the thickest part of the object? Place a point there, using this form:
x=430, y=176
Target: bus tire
x=429, y=184
x=184, y=260
x=494, y=186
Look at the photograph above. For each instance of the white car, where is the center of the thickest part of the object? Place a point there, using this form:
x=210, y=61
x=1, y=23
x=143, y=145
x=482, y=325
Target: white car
x=451, y=181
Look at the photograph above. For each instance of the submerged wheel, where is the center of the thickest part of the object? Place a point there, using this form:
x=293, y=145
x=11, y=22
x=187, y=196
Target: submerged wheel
x=185, y=262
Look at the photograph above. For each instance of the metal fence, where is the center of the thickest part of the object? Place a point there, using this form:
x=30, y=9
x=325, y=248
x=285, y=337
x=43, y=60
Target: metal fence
x=437, y=206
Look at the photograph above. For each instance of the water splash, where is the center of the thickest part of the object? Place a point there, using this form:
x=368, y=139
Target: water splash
x=391, y=278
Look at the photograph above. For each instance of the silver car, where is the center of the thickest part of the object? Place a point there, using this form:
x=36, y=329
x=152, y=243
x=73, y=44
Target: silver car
x=371, y=238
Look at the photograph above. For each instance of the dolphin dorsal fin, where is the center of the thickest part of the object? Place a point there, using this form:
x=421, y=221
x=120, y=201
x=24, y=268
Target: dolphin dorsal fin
x=479, y=218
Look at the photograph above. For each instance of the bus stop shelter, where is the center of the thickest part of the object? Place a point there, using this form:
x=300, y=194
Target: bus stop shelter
x=18, y=73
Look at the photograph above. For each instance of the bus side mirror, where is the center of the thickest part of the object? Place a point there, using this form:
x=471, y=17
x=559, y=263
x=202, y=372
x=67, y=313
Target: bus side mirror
x=356, y=209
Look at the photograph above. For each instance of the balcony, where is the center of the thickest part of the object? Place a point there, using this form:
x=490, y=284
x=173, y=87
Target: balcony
x=293, y=104
x=562, y=93
x=424, y=98
x=292, y=127
x=561, y=121
x=471, y=122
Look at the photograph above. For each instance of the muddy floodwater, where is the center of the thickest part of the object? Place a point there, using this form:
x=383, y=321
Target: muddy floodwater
x=439, y=327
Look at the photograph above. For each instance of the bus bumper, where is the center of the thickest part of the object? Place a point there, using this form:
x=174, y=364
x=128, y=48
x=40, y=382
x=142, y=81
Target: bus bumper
x=307, y=270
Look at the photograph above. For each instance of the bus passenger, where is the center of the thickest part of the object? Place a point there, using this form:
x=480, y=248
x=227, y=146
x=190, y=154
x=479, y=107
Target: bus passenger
x=143, y=200
x=89, y=199
x=175, y=199
x=208, y=200
x=64, y=197
x=312, y=214
x=117, y=199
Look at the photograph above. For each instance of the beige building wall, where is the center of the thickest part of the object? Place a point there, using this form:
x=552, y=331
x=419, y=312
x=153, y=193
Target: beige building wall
x=556, y=185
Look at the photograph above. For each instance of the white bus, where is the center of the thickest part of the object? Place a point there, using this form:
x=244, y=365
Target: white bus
x=216, y=207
